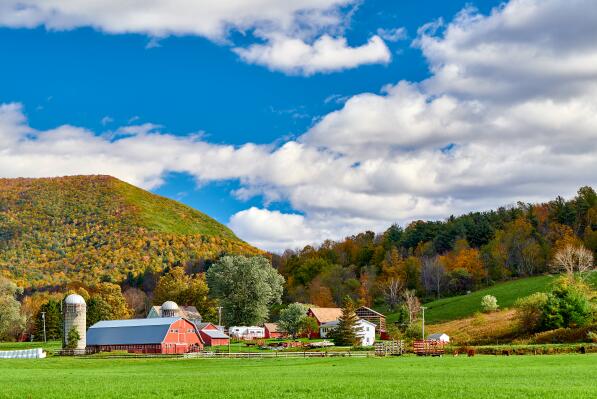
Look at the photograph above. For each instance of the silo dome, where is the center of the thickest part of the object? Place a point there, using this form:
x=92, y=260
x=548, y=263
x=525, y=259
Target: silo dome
x=74, y=299
x=169, y=309
x=169, y=305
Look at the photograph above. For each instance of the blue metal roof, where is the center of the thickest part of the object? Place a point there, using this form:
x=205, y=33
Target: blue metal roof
x=129, y=332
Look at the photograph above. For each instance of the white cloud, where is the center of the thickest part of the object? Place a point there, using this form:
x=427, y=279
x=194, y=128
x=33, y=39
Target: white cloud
x=393, y=35
x=326, y=54
x=447, y=145
x=290, y=29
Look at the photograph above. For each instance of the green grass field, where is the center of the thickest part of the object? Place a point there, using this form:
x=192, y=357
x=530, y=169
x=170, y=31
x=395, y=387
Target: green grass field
x=458, y=307
x=558, y=376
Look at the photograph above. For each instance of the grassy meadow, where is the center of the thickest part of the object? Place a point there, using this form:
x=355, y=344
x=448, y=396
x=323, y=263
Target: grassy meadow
x=558, y=376
x=458, y=307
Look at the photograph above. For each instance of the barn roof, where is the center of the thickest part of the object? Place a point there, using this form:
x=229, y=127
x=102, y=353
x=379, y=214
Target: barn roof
x=215, y=334
x=129, y=332
x=323, y=315
x=437, y=335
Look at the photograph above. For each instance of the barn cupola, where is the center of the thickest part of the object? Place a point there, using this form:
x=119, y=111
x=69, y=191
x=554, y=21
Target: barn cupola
x=169, y=309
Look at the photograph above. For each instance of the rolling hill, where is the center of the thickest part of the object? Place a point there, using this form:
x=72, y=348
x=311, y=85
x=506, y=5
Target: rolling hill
x=86, y=228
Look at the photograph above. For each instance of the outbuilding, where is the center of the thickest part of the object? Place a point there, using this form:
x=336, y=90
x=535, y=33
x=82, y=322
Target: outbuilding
x=442, y=337
x=272, y=331
x=212, y=335
x=167, y=335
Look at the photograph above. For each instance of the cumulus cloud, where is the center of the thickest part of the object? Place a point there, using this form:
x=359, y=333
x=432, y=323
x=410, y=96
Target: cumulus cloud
x=326, y=54
x=290, y=29
x=484, y=130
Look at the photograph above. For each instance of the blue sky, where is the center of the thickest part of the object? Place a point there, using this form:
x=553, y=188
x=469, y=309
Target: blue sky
x=98, y=77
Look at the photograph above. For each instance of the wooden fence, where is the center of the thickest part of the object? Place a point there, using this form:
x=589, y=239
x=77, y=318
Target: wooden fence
x=276, y=354
x=428, y=347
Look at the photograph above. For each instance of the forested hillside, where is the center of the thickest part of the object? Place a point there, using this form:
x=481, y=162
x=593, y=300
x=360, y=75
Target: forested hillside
x=441, y=258
x=98, y=228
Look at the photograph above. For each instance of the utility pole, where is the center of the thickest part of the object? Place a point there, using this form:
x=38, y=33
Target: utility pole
x=43, y=317
x=219, y=316
x=423, y=309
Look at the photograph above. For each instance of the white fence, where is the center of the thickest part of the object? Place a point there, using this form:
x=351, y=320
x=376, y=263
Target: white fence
x=37, y=353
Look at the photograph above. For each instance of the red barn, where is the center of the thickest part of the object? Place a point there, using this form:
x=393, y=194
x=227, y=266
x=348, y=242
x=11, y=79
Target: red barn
x=211, y=335
x=168, y=335
x=271, y=331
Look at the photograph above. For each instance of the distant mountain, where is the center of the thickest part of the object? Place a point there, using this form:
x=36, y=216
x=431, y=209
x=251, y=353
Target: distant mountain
x=90, y=228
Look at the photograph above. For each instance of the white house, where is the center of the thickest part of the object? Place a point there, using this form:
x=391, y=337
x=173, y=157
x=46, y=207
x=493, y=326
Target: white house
x=439, y=337
x=244, y=332
x=366, y=331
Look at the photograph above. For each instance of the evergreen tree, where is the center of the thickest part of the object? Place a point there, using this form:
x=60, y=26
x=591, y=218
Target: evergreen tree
x=53, y=315
x=72, y=338
x=346, y=334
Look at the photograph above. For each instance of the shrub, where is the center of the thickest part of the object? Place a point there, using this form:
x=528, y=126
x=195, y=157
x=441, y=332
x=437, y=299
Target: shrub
x=72, y=339
x=529, y=311
x=414, y=331
x=489, y=304
x=592, y=336
x=568, y=305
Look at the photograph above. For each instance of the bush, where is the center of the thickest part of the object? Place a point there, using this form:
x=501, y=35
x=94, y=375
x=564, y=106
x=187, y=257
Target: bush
x=529, y=311
x=568, y=305
x=592, y=336
x=414, y=331
x=489, y=304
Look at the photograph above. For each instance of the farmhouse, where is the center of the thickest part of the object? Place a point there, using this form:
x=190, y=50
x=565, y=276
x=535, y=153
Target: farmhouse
x=244, y=332
x=154, y=335
x=439, y=337
x=323, y=315
x=211, y=335
x=171, y=309
x=271, y=331
x=374, y=317
x=365, y=331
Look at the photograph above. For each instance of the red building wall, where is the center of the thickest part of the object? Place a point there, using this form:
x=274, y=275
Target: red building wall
x=181, y=338
x=209, y=341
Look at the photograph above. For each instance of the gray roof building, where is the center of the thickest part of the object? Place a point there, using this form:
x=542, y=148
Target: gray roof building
x=129, y=332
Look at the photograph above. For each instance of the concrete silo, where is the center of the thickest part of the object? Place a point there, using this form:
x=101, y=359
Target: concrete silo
x=169, y=309
x=75, y=315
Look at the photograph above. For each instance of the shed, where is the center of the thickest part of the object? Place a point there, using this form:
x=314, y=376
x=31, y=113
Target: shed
x=154, y=335
x=272, y=331
x=212, y=335
x=442, y=337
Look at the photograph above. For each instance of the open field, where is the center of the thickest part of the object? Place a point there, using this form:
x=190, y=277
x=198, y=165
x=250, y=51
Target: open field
x=558, y=376
x=461, y=306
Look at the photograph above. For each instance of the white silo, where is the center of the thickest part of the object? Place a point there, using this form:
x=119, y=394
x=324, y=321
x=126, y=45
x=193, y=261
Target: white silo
x=169, y=309
x=75, y=315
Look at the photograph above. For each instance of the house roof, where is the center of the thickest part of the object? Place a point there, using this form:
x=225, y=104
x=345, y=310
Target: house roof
x=129, y=332
x=334, y=323
x=271, y=327
x=323, y=315
x=437, y=336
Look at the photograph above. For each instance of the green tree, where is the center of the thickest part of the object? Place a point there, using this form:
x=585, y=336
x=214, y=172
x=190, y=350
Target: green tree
x=11, y=320
x=292, y=318
x=346, y=334
x=53, y=316
x=246, y=288
x=185, y=290
x=567, y=305
x=107, y=303
x=72, y=338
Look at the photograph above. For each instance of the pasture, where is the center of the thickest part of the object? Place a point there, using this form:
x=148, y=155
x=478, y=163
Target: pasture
x=557, y=376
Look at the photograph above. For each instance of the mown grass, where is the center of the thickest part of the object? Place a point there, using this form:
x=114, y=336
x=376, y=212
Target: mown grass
x=49, y=346
x=558, y=376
